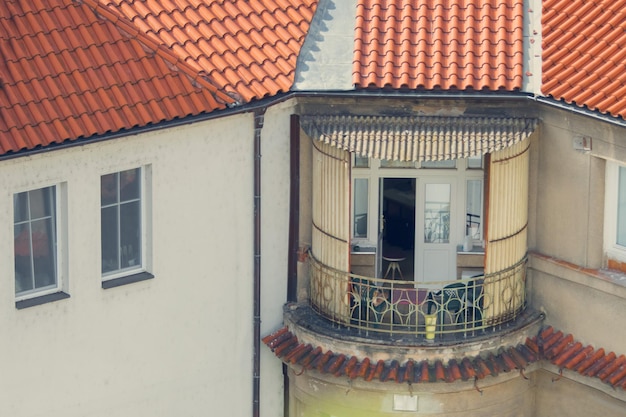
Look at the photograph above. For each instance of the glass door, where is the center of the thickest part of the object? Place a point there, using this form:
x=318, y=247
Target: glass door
x=435, y=247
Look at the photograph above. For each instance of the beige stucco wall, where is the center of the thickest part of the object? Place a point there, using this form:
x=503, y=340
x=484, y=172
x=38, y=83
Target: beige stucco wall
x=588, y=307
x=176, y=345
x=569, y=192
x=567, y=199
x=316, y=395
x=561, y=396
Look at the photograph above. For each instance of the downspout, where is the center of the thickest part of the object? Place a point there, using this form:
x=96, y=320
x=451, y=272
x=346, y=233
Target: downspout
x=294, y=232
x=294, y=208
x=256, y=375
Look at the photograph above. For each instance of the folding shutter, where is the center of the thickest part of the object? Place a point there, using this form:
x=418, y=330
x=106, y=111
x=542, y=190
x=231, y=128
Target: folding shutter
x=331, y=229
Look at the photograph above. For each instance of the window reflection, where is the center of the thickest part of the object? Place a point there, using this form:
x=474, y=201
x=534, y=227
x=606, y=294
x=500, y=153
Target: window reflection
x=474, y=209
x=437, y=213
x=360, y=207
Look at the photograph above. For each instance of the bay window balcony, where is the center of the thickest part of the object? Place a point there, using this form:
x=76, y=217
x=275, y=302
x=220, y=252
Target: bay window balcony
x=417, y=194
x=429, y=311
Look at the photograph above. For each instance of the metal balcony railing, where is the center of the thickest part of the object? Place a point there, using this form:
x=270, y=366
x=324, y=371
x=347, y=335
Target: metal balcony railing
x=430, y=310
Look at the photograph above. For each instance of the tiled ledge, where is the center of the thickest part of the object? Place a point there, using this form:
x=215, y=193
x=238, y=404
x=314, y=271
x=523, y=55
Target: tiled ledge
x=309, y=328
x=608, y=281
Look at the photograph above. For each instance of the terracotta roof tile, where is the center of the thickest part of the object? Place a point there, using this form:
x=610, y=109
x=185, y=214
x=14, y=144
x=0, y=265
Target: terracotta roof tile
x=285, y=345
x=247, y=48
x=568, y=353
x=67, y=74
x=72, y=70
x=554, y=346
x=584, y=53
x=429, y=44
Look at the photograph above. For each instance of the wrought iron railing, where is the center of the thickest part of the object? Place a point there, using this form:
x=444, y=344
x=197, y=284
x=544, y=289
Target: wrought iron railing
x=430, y=310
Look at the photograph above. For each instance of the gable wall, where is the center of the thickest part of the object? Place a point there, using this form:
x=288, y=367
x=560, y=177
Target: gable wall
x=178, y=344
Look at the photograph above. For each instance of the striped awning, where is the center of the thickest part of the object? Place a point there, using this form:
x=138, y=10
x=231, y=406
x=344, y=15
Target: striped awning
x=418, y=138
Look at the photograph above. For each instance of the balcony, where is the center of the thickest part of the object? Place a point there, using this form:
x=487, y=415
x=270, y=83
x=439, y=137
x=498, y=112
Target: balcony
x=429, y=312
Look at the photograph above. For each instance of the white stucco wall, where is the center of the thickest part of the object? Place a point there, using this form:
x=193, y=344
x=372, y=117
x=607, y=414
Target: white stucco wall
x=275, y=179
x=176, y=345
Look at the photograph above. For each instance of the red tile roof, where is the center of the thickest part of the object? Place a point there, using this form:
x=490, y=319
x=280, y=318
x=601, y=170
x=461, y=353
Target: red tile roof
x=551, y=345
x=566, y=353
x=72, y=70
x=66, y=74
x=285, y=345
x=584, y=53
x=457, y=44
x=247, y=48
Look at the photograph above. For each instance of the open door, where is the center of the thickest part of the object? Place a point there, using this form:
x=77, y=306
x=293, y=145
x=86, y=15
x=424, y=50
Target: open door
x=396, y=240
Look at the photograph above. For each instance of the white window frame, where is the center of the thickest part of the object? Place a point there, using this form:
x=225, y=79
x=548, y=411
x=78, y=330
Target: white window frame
x=612, y=248
x=355, y=238
x=60, y=244
x=374, y=171
x=145, y=222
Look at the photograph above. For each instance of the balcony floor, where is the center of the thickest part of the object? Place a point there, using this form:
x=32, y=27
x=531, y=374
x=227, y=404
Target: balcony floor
x=311, y=328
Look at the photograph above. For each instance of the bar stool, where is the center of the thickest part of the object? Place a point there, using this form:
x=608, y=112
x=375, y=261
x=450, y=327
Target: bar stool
x=394, y=265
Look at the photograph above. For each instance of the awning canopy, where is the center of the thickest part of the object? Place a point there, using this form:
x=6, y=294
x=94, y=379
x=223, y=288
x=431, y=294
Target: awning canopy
x=418, y=138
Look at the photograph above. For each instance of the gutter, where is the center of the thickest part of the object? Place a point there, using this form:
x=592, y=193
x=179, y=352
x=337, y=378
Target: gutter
x=361, y=94
x=617, y=121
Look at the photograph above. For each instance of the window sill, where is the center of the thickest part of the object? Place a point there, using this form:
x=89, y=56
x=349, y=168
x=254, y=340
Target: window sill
x=42, y=299
x=129, y=279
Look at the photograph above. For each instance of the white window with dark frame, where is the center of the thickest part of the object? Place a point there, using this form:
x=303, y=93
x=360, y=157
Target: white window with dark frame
x=615, y=212
x=122, y=211
x=37, y=246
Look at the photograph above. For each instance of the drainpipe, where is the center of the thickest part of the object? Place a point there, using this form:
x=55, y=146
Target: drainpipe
x=256, y=376
x=294, y=231
x=294, y=207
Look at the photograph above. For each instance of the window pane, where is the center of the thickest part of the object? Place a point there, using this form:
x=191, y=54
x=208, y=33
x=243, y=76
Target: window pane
x=35, y=240
x=449, y=163
x=475, y=162
x=108, y=189
x=129, y=185
x=360, y=207
x=23, y=266
x=130, y=232
x=43, y=253
x=437, y=213
x=473, y=213
x=41, y=203
x=621, y=208
x=20, y=207
x=387, y=163
x=121, y=220
x=110, y=240
x=361, y=161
